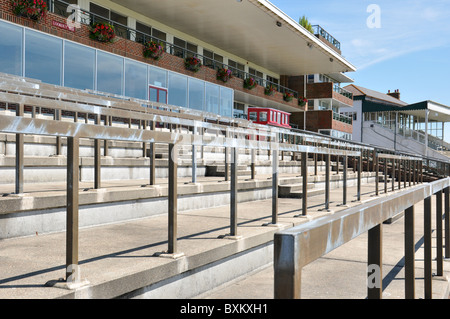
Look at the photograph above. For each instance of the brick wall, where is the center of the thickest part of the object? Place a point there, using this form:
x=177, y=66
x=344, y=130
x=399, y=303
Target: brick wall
x=131, y=49
x=320, y=120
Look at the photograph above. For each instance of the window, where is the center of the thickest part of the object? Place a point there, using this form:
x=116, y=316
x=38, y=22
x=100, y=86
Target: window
x=180, y=47
x=109, y=73
x=258, y=76
x=273, y=80
x=60, y=7
x=238, y=69
x=212, y=98
x=177, y=89
x=226, y=101
x=158, y=95
x=253, y=116
x=101, y=12
x=135, y=79
x=11, y=49
x=212, y=60
x=263, y=116
x=79, y=66
x=43, y=62
x=145, y=32
x=157, y=77
x=196, y=94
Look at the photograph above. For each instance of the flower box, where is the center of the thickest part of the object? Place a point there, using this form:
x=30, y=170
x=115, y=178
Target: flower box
x=288, y=96
x=192, y=64
x=250, y=83
x=269, y=90
x=32, y=9
x=153, y=50
x=302, y=101
x=102, y=32
x=224, y=75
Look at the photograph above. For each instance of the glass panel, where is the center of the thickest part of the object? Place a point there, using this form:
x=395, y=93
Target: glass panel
x=253, y=116
x=196, y=94
x=226, y=102
x=135, y=79
x=162, y=96
x=10, y=49
x=263, y=116
x=157, y=77
x=177, y=89
x=109, y=73
x=79, y=66
x=43, y=62
x=153, y=94
x=212, y=98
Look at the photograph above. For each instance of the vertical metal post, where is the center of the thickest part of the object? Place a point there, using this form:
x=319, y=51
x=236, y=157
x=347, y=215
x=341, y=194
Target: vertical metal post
x=97, y=158
x=152, y=156
x=399, y=173
x=377, y=173
x=57, y=117
x=375, y=244
x=72, y=209
x=287, y=270
x=227, y=155
x=233, y=193
x=404, y=173
x=344, y=191
x=385, y=175
x=393, y=174
x=19, y=154
x=409, y=172
x=194, y=158
x=427, y=248
x=358, y=191
x=275, y=187
x=173, y=198
x=304, y=184
x=410, y=290
x=327, y=181
x=439, y=242
x=447, y=221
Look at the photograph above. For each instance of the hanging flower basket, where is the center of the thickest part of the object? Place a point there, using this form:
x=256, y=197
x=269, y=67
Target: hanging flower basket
x=288, y=96
x=249, y=83
x=102, y=32
x=153, y=50
x=224, y=75
x=269, y=90
x=302, y=101
x=32, y=9
x=192, y=64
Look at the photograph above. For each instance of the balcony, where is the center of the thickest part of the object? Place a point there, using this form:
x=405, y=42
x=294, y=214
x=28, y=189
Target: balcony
x=319, y=121
x=175, y=55
x=325, y=37
x=329, y=90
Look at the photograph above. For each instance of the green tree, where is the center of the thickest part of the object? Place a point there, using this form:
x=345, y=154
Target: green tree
x=305, y=23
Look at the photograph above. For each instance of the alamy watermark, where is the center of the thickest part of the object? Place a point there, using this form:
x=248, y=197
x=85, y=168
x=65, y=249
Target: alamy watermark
x=374, y=19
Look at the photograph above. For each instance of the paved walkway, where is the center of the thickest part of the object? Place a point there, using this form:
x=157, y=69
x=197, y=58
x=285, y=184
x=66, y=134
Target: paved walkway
x=116, y=253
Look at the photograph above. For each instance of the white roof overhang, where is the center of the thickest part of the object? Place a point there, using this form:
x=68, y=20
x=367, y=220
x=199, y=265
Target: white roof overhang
x=254, y=30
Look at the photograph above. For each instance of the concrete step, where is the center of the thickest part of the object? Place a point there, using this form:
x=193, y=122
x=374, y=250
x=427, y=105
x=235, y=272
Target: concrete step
x=288, y=189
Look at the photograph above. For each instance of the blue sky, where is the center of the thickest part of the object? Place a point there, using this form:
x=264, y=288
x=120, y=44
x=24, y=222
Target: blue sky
x=410, y=51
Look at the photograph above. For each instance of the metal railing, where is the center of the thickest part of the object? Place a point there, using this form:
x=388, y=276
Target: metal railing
x=341, y=91
x=318, y=30
x=299, y=246
x=84, y=114
x=60, y=7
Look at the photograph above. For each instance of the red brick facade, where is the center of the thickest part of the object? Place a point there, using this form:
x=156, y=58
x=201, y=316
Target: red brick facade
x=320, y=120
x=131, y=49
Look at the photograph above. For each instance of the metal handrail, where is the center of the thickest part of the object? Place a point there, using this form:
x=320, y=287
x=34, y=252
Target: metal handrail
x=318, y=30
x=301, y=245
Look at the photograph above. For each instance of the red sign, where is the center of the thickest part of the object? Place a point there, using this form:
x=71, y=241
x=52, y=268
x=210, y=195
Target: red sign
x=62, y=26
